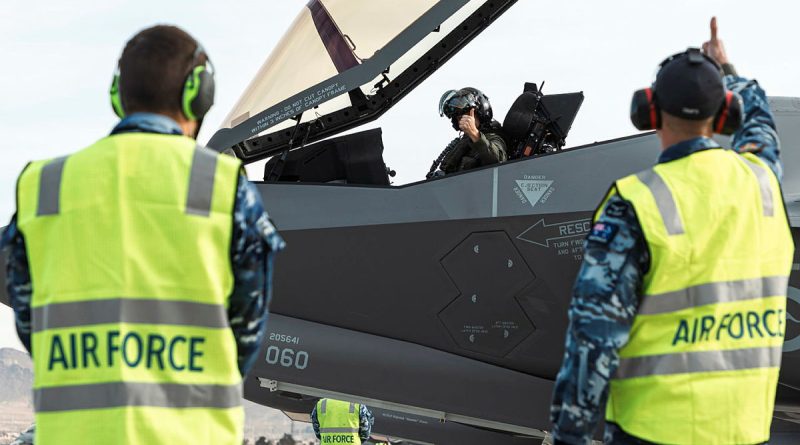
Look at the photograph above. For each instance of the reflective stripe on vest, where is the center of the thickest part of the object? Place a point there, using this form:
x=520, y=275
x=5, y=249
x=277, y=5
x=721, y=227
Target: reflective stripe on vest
x=699, y=361
x=201, y=182
x=763, y=183
x=664, y=201
x=118, y=394
x=338, y=422
x=50, y=187
x=128, y=243
x=701, y=364
x=338, y=430
x=712, y=293
x=128, y=310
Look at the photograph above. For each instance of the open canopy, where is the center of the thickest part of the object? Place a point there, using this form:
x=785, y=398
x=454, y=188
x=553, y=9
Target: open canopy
x=343, y=63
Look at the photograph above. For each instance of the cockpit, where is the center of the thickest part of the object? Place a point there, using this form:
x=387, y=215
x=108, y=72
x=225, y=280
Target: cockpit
x=344, y=63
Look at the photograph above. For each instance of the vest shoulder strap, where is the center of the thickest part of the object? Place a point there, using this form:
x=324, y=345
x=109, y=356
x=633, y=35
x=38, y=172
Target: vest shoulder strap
x=765, y=179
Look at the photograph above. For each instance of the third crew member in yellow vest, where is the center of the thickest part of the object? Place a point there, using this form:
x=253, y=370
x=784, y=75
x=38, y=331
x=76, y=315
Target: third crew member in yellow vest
x=139, y=267
x=340, y=422
x=677, y=318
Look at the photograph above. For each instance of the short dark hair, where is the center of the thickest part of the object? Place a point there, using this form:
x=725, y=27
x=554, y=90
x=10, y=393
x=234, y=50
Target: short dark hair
x=153, y=68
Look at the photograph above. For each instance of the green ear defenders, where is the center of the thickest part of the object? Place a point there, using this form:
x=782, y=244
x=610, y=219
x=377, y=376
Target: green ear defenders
x=197, y=96
x=116, y=99
x=198, y=89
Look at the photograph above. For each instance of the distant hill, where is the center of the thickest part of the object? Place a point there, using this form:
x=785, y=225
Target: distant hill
x=9, y=356
x=16, y=380
x=16, y=373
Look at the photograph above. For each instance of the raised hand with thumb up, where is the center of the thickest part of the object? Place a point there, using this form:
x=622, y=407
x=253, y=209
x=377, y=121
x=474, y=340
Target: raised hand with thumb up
x=714, y=48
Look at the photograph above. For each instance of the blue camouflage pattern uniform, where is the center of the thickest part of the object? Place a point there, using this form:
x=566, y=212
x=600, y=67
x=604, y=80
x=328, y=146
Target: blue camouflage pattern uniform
x=365, y=421
x=608, y=287
x=254, y=245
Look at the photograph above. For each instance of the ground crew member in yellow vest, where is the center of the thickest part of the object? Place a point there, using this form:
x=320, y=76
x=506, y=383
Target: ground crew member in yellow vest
x=140, y=266
x=677, y=317
x=340, y=422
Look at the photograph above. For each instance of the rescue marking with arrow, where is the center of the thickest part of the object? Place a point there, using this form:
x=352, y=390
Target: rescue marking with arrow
x=566, y=237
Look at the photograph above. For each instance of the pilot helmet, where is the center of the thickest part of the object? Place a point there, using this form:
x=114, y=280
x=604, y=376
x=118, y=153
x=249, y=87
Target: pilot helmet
x=455, y=103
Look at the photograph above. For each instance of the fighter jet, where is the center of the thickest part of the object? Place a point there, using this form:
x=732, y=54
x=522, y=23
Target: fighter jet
x=441, y=304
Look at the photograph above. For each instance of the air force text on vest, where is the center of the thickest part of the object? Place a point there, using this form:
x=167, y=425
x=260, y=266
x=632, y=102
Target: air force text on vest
x=731, y=325
x=336, y=438
x=113, y=348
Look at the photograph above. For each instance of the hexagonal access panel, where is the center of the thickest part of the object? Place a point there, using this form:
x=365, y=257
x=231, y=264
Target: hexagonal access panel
x=489, y=272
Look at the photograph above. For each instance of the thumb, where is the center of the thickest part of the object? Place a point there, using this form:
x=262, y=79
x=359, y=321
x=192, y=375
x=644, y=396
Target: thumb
x=472, y=112
x=713, y=28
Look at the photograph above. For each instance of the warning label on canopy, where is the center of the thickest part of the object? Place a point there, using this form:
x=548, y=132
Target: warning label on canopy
x=296, y=107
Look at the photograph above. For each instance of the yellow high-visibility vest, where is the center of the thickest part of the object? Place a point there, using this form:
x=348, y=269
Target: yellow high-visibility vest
x=128, y=243
x=338, y=422
x=701, y=365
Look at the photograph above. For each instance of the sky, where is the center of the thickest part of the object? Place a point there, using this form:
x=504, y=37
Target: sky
x=58, y=59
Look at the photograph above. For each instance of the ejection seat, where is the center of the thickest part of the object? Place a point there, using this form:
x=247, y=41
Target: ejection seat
x=537, y=124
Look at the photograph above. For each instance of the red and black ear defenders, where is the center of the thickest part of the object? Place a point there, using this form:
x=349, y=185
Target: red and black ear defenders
x=646, y=114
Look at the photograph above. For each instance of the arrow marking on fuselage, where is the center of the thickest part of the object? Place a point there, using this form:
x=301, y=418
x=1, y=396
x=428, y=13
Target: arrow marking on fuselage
x=561, y=230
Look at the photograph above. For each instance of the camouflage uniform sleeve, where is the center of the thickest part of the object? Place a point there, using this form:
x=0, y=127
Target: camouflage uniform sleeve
x=315, y=422
x=18, y=283
x=604, y=303
x=365, y=423
x=253, y=247
x=758, y=133
x=491, y=148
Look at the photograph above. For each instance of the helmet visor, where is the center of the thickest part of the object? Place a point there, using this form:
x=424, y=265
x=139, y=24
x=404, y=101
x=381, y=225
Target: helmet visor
x=453, y=104
x=443, y=101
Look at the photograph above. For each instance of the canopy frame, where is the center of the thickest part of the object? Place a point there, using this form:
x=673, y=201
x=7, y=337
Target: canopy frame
x=243, y=138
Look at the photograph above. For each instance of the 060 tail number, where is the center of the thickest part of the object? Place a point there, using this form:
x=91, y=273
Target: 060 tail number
x=287, y=357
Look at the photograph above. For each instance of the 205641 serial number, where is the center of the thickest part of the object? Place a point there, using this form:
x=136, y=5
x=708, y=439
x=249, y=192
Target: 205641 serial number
x=283, y=338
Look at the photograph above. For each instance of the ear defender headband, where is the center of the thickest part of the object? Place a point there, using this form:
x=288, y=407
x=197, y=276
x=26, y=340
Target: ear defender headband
x=646, y=113
x=197, y=96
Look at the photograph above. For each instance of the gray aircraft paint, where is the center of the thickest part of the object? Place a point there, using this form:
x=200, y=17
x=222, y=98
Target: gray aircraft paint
x=792, y=344
x=467, y=195
x=454, y=387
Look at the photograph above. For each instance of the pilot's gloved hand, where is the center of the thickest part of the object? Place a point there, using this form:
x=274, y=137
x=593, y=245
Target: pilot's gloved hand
x=468, y=125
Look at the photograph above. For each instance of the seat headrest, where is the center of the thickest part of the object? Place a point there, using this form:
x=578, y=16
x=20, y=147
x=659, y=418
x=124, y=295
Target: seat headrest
x=519, y=117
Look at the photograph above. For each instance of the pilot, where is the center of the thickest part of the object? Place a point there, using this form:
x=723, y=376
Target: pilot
x=340, y=422
x=677, y=315
x=480, y=142
x=139, y=267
